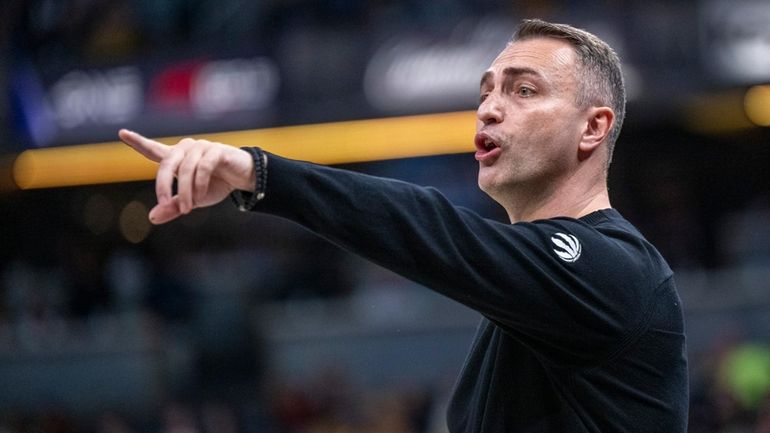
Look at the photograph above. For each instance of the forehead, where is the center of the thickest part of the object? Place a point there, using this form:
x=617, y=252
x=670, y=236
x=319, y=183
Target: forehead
x=548, y=56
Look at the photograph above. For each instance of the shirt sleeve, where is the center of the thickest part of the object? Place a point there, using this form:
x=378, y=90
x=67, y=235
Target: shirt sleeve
x=570, y=292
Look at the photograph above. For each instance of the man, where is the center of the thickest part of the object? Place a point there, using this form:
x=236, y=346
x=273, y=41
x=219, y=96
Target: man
x=582, y=328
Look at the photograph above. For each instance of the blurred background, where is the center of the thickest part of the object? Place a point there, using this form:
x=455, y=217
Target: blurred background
x=226, y=322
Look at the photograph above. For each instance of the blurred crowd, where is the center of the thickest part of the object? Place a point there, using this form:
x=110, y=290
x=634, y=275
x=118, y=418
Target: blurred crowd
x=96, y=31
x=330, y=410
x=730, y=394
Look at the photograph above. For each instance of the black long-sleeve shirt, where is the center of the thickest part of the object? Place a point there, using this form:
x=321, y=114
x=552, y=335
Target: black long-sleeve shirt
x=582, y=328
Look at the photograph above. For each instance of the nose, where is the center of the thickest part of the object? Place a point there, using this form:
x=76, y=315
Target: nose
x=490, y=111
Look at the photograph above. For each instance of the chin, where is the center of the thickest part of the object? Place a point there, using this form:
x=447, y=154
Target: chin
x=487, y=186
x=488, y=178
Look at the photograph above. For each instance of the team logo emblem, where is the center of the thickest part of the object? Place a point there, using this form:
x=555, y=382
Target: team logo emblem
x=567, y=247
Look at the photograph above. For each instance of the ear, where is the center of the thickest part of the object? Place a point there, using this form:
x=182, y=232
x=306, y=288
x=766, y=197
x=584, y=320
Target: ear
x=598, y=125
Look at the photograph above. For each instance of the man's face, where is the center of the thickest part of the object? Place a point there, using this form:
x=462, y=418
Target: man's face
x=528, y=126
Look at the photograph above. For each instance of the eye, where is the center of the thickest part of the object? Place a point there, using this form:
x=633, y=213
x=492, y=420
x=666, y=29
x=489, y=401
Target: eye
x=525, y=91
x=483, y=97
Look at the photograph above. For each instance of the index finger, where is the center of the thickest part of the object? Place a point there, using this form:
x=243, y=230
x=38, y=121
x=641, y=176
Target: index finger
x=151, y=149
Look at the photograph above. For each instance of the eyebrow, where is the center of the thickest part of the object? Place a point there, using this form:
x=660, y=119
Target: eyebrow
x=509, y=72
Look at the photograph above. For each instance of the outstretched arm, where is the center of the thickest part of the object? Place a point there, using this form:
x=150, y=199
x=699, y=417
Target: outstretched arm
x=206, y=173
x=581, y=310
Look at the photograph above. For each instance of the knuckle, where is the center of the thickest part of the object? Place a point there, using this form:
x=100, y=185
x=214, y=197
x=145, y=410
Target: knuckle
x=206, y=164
x=200, y=182
x=187, y=164
x=175, y=153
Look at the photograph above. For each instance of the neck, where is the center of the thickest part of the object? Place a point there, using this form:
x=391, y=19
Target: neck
x=568, y=199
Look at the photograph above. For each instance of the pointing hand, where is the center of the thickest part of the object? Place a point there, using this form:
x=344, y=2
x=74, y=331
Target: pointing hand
x=206, y=173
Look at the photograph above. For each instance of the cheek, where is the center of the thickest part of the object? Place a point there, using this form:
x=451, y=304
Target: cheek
x=536, y=131
x=550, y=139
x=560, y=127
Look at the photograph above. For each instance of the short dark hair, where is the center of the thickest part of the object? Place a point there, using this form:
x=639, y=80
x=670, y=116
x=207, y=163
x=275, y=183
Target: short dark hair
x=600, y=79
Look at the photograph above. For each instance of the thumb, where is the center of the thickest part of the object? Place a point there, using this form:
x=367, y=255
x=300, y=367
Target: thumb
x=163, y=213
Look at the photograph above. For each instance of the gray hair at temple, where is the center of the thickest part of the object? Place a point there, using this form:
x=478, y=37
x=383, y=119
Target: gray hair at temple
x=599, y=76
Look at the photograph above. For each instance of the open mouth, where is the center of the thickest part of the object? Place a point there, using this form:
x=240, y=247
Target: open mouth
x=487, y=147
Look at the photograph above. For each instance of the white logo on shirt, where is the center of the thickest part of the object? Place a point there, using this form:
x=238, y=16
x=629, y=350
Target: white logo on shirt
x=568, y=248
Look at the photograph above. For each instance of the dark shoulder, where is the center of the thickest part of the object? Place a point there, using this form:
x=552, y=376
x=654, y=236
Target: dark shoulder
x=608, y=244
